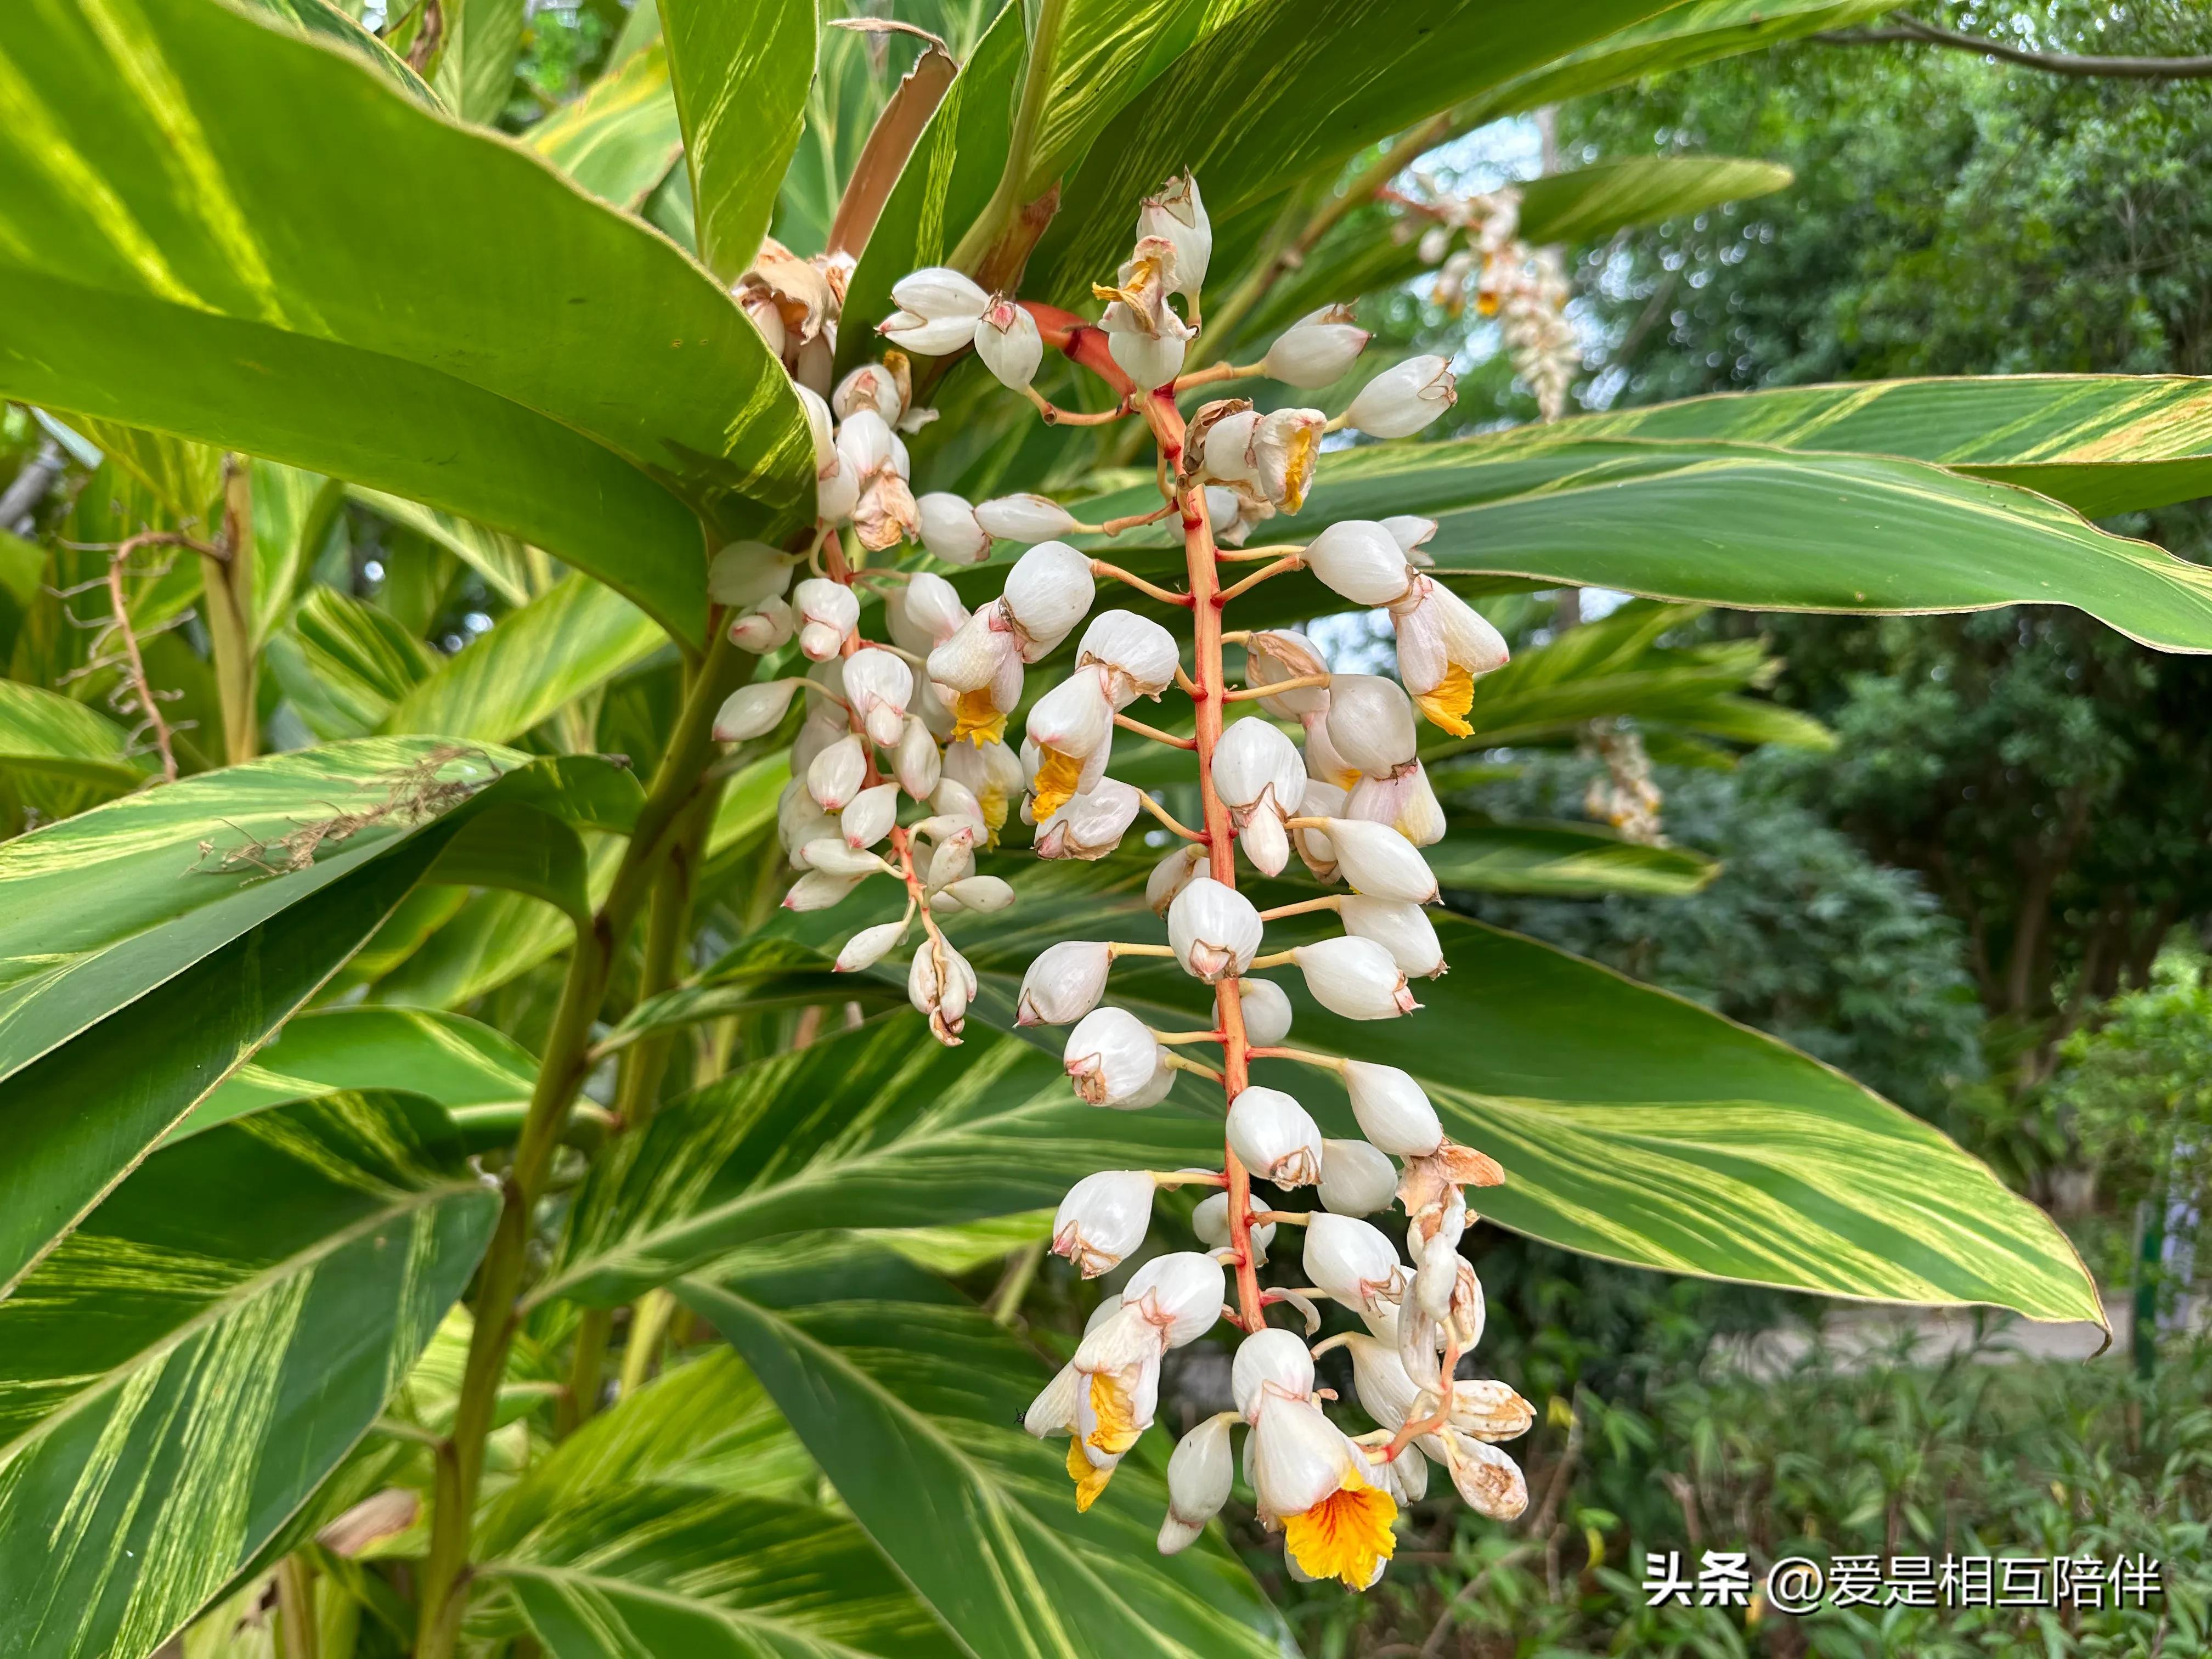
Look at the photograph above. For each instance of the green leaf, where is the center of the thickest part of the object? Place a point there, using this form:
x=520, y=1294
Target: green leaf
x=322, y=20
x=494, y=938
x=882, y=1123
x=619, y=140
x=459, y=1063
x=344, y=665
x=1592, y=203
x=1287, y=91
x=1765, y=529
x=706, y=1426
x=741, y=69
x=1676, y=38
x=1633, y=1124
x=661, y=1568
x=911, y=1398
x=476, y=58
x=2101, y=443
x=45, y=732
x=184, y=208
x=293, y=513
x=509, y=570
x=574, y=638
x=185, y=1368
x=1564, y=860
x=1106, y=51
x=519, y=850
x=944, y=184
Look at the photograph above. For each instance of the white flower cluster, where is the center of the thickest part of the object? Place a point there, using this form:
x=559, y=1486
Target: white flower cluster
x=1525, y=287
x=911, y=728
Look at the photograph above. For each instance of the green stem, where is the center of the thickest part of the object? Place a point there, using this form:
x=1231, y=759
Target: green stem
x=295, y=1609
x=1006, y=201
x=667, y=927
x=587, y=1362
x=228, y=608
x=561, y=1074
x=649, y=1323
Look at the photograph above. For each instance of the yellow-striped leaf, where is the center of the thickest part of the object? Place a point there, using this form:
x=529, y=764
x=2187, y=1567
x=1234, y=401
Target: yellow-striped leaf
x=741, y=69
x=618, y=139
x=177, y=1379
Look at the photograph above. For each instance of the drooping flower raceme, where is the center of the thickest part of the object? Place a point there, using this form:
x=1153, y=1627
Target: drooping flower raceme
x=921, y=744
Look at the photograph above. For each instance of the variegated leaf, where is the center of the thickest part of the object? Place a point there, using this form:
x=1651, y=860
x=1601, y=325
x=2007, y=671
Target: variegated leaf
x=179, y=1375
x=740, y=68
x=910, y=1398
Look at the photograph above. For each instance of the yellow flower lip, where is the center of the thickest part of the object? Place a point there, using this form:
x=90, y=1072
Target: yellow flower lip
x=1447, y=702
x=1345, y=1536
x=1056, y=779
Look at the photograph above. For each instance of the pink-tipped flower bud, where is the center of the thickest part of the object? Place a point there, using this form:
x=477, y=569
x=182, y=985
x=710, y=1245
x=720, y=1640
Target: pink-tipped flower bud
x=1213, y=929
x=1402, y=400
x=1112, y=1057
x=1316, y=350
x=1103, y=1217
x=753, y=711
x=1064, y=983
x=1354, y=977
x=1393, y=1109
x=1275, y=1137
x=1007, y=341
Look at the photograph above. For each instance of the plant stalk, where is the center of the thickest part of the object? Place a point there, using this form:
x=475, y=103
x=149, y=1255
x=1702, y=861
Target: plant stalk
x=561, y=1075
x=229, y=583
x=1001, y=212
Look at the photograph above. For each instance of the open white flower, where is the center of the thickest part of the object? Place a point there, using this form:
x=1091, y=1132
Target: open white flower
x=1071, y=724
x=990, y=773
x=1315, y=1484
x=1371, y=723
x=1048, y=591
x=1137, y=655
x=1176, y=214
x=1285, y=449
x=1444, y=645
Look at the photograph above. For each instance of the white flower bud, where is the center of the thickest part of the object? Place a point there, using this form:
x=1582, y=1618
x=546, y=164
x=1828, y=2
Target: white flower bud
x=1404, y=930
x=1400, y=401
x=937, y=311
x=948, y=529
x=1371, y=723
x=931, y=606
x=832, y=857
x=1151, y=357
x=1172, y=875
x=953, y=861
x=945, y=999
x=827, y=611
x=983, y=894
x=1048, y=591
x=1355, y=1178
x=868, y=947
x=836, y=492
x=878, y=684
x=753, y=711
x=1139, y=656
x=870, y=816
x=1111, y=1057
x=1272, y=1361
x=1255, y=765
x=1177, y=214
x=744, y=574
x=1361, y=560
x=762, y=630
x=1285, y=449
x=1394, y=1111
x=1316, y=350
x=1213, y=929
x=1210, y=1221
x=1488, y=1480
x=1222, y=509
x=1200, y=1475
x=1273, y=655
x=1179, y=1293
x=1007, y=341
x=917, y=762
x=1090, y=825
x=1103, y=1217
x=821, y=428
x=1380, y=862
x=797, y=819
x=1275, y=1137
x=1064, y=983
x=1228, y=449
x=1314, y=849
x=1411, y=532
x=1030, y=519
x=979, y=648
x=837, y=773
x=1353, y=1262
x=1267, y=1008
x=818, y=889
x=1354, y=977
x=871, y=386
x=867, y=444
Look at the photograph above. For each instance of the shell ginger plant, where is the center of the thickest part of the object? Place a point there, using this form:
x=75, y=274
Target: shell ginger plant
x=914, y=725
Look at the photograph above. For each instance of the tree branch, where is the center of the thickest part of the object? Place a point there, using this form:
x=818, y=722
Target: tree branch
x=1911, y=29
